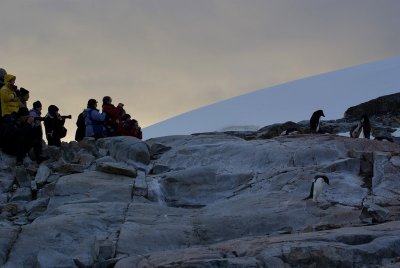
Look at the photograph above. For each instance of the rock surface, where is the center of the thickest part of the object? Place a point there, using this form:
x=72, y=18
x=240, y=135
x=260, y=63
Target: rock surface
x=204, y=200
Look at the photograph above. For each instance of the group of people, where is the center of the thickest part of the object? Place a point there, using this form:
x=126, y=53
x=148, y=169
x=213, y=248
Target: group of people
x=110, y=121
x=20, y=127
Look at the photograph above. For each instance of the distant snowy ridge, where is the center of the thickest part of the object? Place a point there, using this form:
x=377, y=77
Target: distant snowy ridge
x=240, y=128
x=295, y=101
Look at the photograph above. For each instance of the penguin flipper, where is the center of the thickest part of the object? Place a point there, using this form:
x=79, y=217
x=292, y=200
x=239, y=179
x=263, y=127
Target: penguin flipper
x=311, y=192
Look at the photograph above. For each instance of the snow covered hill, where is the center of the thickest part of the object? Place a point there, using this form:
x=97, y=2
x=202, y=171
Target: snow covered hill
x=332, y=92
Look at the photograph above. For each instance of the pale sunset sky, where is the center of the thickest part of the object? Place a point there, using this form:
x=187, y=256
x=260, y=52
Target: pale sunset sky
x=165, y=57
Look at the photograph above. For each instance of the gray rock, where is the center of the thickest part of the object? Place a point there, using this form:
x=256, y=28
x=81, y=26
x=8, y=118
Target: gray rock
x=126, y=148
x=158, y=169
x=22, y=176
x=52, y=258
x=117, y=169
x=8, y=235
x=22, y=194
x=104, y=249
x=105, y=159
x=376, y=213
x=42, y=174
x=140, y=186
x=69, y=168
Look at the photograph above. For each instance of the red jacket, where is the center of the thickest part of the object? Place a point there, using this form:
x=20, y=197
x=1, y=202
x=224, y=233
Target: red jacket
x=114, y=116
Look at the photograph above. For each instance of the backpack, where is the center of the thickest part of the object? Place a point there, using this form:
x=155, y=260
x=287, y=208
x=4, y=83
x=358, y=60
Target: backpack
x=81, y=127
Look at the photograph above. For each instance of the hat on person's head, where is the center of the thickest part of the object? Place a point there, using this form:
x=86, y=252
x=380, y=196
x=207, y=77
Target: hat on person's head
x=8, y=78
x=106, y=99
x=23, y=92
x=2, y=73
x=52, y=109
x=91, y=102
x=37, y=104
x=23, y=111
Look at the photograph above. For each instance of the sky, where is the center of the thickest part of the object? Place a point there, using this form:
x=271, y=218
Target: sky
x=162, y=58
x=333, y=92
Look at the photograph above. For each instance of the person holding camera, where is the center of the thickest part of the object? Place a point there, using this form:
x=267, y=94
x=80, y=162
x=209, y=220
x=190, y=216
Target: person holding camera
x=37, y=132
x=54, y=126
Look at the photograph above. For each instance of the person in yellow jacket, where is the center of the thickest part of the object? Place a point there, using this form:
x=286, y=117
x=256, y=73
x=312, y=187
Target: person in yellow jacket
x=8, y=95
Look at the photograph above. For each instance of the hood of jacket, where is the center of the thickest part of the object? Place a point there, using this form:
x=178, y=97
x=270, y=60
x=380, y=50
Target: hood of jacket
x=8, y=78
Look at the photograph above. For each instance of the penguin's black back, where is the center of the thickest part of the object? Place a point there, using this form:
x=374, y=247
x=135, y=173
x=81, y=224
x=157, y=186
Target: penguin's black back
x=311, y=192
x=366, y=126
x=314, y=120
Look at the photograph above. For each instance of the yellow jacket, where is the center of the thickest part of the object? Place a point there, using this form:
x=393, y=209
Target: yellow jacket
x=9, y=99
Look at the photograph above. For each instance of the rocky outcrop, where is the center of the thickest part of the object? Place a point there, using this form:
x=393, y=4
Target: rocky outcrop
x=385, y=105
x=204, y=200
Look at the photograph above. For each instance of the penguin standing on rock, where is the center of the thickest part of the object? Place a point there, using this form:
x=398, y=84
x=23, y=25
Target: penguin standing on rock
x=317, y=187
x=315, y=121
x=363, y=126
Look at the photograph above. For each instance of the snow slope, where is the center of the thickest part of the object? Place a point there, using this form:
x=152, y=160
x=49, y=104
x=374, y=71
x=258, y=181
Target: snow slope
x=332, y=92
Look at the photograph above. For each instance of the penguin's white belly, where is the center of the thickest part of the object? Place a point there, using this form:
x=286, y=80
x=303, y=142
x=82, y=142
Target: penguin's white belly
x=318, y=186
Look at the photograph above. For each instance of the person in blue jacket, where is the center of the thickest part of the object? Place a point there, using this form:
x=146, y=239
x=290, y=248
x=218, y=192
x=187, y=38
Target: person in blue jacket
x=94, y=121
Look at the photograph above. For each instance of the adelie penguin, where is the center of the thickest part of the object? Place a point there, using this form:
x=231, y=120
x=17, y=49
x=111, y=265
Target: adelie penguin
x=363, y=126
x=315, y=121
x=317, y=186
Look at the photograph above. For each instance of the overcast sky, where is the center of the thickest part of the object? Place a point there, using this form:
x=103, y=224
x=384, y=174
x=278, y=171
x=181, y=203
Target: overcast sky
x=165, y=57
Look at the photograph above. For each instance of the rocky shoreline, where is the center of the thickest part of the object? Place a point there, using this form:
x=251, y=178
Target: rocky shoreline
x=231, y=199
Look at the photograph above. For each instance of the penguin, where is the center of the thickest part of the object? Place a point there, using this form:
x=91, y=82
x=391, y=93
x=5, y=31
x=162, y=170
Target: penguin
x=314, y=121
x=363, y=126
x=366, y=125
x=317, y=186
x=356, y=130
x=290, y=131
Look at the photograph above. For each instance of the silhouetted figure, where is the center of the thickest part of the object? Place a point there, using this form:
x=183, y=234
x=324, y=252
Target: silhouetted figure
x=9, y=96
x=130, y=127
x=23, y=95
x=94, y=121
x=37, y=132
x=17, y=135
x=315, y=121
x=80, y=127
x=114, y=114
x=2, y=73
x=54, y=126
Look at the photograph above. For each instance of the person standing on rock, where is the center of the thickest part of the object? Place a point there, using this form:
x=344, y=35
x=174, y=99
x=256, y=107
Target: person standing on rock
x=23, y=95
x=54, y=126
x=9, y=96
x=37, y=132
x=2, y=74
x=17, y=135
x=114, y=114
x=94, y=121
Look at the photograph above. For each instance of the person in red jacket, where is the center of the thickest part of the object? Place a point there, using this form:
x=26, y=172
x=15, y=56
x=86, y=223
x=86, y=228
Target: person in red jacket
x=114, y=114
x=130, y=127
